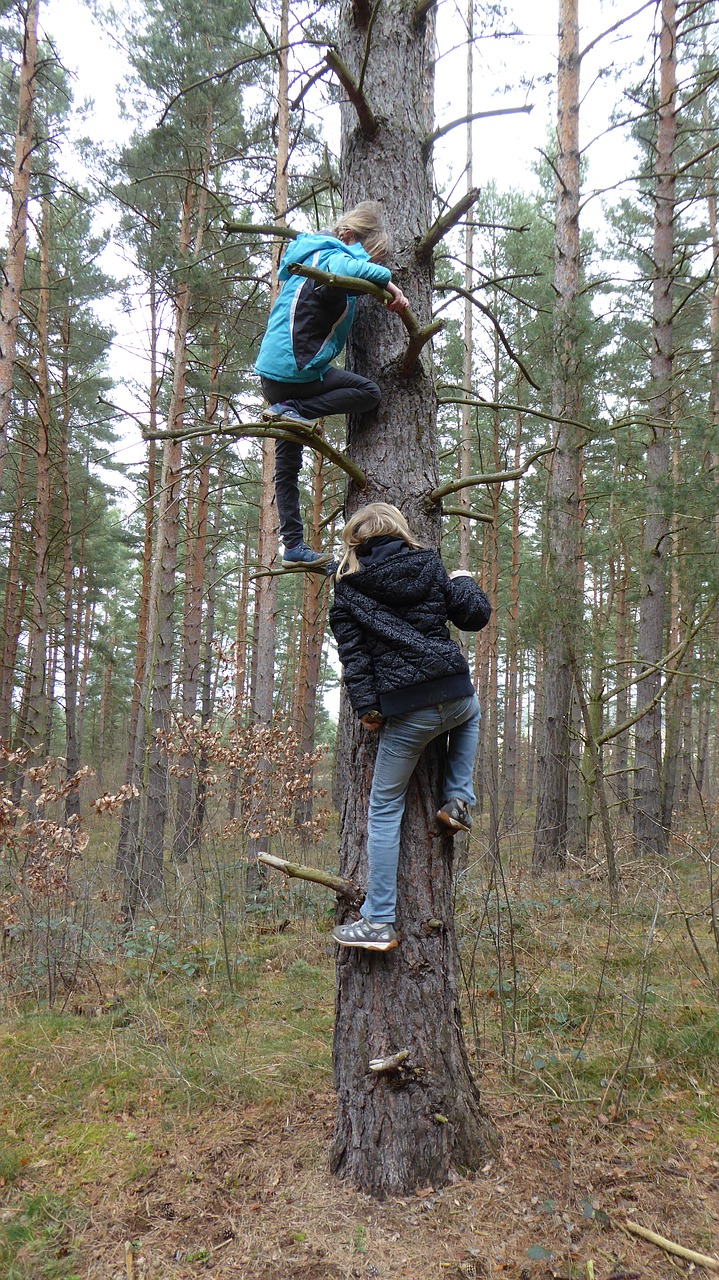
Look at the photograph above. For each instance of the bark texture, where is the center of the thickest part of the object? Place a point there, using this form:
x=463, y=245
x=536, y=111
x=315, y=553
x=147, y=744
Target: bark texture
x=411, y=1126
x=649, y=830
x=564, y=495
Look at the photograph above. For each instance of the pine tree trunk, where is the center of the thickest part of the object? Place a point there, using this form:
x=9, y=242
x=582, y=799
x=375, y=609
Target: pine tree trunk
x=72, y=755
x=649, y=822
x=314, y=610
x=563, y=515
x=37, y=688
x=17, y=235
x=512, y=708
x=403, y=1129
x=206, y=697
x=13, y=605
x=263, y=658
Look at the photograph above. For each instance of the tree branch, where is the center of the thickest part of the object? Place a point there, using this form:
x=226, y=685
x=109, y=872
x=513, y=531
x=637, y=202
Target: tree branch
x=365, y=115
x=279, y=429
x=421, y=9
x=494, y=477
x=418, y=337
x=466, y=514
x=476, y=115
x=444, y=224
x=345, y=888
x=261, y=229
x=465, y=293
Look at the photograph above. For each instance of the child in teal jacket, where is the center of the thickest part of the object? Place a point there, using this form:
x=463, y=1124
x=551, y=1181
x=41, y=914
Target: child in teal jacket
x=306, y=331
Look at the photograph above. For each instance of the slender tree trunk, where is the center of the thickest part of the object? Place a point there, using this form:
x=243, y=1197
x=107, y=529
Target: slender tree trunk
x=37, y=689
x=465, y=451
x=127, y=847
x=13, y=605
x=314, y=608
x=104, y=715
x=192, y=622
x=240, y=661
x=206, y=700
x=512, y=729
x=564, y=490
x=17, y=235
x=649, y=823
x=72, y=755
x=263, y=668
x=398, y=1130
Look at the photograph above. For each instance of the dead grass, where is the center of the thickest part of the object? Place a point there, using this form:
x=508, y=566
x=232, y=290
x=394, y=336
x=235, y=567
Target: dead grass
x=195, y=1121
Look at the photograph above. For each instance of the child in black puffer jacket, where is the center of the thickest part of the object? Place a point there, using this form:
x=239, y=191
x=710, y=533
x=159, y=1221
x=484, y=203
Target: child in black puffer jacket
x=408, y=679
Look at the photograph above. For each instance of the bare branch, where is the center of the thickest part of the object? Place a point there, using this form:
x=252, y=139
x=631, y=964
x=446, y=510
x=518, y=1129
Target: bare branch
x=345, y=888
x=490, y=477
x=261, y=229
x=368, y=123
x=421, y=9
x=476, y=115
x=465, y=293
x=466, y=513
x=444, y=224
x=648, y=4
x=368, y=44
x=518, y=408
x=279, y=430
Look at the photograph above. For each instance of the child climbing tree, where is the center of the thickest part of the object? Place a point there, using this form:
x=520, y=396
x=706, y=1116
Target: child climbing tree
x=408, y=1108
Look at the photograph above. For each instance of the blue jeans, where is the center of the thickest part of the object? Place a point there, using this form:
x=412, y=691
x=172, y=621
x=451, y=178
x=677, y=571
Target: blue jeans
x=402, y=741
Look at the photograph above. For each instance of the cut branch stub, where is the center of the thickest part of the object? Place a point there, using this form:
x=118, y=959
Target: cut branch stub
x=367, y=119
x=418, y=336
x=261, y=229
x=439, y=229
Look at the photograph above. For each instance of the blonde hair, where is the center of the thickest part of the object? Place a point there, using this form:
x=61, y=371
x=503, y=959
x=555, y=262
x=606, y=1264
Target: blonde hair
x=376, y=520
x=366, y=223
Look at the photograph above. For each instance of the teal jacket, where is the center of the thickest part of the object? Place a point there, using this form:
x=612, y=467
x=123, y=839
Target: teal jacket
x=309, y=322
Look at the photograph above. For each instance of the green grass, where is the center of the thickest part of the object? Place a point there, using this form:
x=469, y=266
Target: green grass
x=37, y=1242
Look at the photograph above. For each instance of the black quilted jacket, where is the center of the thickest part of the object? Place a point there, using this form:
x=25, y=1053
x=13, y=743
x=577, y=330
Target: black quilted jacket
x=390, y=623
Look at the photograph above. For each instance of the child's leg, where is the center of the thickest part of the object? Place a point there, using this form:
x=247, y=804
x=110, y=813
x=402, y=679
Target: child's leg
x=402, y=740
x=288, y=460
x=462, y=749
x=339, y=391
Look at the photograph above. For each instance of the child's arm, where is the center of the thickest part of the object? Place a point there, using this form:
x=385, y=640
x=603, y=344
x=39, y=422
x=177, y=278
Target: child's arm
x=356, y=662
x=467, y=605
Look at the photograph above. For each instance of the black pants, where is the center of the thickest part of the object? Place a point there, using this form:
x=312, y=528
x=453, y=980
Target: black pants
x=338, y=392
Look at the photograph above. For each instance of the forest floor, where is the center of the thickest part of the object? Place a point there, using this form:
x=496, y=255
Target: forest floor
x=163, y=1110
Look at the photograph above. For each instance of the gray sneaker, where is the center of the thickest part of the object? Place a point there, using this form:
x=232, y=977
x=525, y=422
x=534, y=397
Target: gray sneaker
x=455, y=814
x=371, y=937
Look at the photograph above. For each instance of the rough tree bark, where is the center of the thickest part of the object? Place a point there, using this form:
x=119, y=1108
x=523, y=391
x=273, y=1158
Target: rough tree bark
x=649, y=830
x=410, y=1126
x=564, y=489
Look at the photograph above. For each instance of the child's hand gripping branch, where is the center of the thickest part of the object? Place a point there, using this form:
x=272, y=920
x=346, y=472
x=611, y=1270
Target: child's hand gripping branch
x=408, y=680
x=307, y=329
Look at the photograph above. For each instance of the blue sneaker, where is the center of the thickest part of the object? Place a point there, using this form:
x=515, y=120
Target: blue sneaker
x=284, y=412
x=303, y=555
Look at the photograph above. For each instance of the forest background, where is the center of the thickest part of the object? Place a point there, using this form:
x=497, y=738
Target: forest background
x=165, y=693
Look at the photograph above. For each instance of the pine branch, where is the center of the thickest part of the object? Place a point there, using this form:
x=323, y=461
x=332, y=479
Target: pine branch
x=365, y=115
x=493, y=477
x=421, y=9
x=261, y=229
x=476, y=115
x=465, y=293
x=345, y=888
x=439, y=229
x=418, y=336
x=466, y=513
x=279, y=430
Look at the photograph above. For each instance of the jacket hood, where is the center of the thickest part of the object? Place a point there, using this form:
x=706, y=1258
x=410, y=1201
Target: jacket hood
x=393, y=573
x=304, y=248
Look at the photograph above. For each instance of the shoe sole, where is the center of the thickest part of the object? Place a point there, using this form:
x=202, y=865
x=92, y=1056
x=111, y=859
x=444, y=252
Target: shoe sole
x=307, y=564
x=451, y=822
x=367, y=946
x=280, y=417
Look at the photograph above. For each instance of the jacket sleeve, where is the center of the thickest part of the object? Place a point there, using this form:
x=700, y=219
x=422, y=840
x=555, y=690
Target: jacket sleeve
x=356, y=661
x=344, y=264
x=467, y=605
